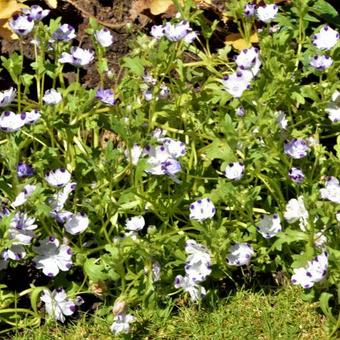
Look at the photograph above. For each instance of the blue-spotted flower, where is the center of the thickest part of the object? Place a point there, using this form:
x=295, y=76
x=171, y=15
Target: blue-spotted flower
x=267, y=13
x=52, y=97
x=21, y=24
x=240, y=254
x=296, y=211
x=7, y=96
x=331, y=191
x=202, y=209
x=333, y=107
x=106, y=96
x=135, y=223
x=11, y=122
x=296, y=175
x=36, y=12
x=77, y=223
x=64, y=32
x=321, y=62
x=121, y=323
x=269, y=225
x=326, y=39
x=58, y=178
x=57, y=304
x=21, y=229
x=77, y=57
x=104, y=37
x=234, y=171
x=296, y=148
x=23, y=196
x=52, y=256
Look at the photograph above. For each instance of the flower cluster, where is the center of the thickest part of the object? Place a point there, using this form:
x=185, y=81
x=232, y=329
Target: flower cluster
x=174, y=32
x=314, y=272
x=197, y=268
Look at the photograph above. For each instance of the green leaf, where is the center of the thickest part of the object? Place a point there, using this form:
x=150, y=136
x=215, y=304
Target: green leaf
x=94, y=271
x=134, y=64
x=324, y=305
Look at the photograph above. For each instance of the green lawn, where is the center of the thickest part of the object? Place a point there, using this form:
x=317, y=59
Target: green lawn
x=246, y=315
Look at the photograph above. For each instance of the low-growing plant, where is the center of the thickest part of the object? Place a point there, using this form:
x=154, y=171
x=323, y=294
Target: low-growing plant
x=199, y=164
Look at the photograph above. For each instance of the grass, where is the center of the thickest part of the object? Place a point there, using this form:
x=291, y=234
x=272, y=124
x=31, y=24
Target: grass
x=245, y=315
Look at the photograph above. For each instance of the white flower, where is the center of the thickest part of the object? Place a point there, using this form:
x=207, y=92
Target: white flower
x=77, y=57
x=175, y=32
x=195, y=290
x=24, y=195
x=326, y=38
x=315, y=271
x=157, y=31
x=77, y=223
x=333, y=107
x=202, y=209
x=234, y=171
x=57, y=304
x=65, y=32
x=61, y=215
x=122, y=323
x=7, y=96
x=320, y=239
x=321, y=62
x=15, y=253
x=248, y=59
x=332, y=190
x=104, y=37
x=240, y=254
x=281, y=120
x=21, y=24
x=296, y=148
x=296, y=175
x=337, y=216
x=156, y=271
x=135, y=223
x=58, y=177
x=59, y=199
x=31, y=117
x=135, y=152
x=164, y=91
x=237, y=82
x=175, y=147
x=36, y=12
x=269, y=225
x=296, y=211
x=190, y=37
x=52, y=256
x=267, y=13
x=198, y=265
x=21, y=228
x=52, y=97
x=11, y=122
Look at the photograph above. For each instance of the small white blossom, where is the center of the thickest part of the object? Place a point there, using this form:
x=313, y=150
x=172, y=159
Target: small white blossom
x=57, y=304
x=314, y=272
x=58, y=177
x=249, y=10
x=77, y=223
x=320, y=239
x=240, y=254
x=7, y=96
x=31, y=116
x=237, y=82
x=296, y=175
x=52, y=97
x=24, y=195
x=281, y=120
x=267, y=13
x=135, y=223
x=77, y=57
x=296, y=211
x=195, y=290
x=122, y=323
x=326, y=38
x=65, y=32
x=331, y=191
x=269, y=225
x=234, y=171
x=36, y=12
x=52, y=257
x=296, y=148
x=11, y=122
x=337, y=216
x=333, y=107
x=157, y=31
x=248, y=59
x=21, y=24
x=176, y=32
x=202, y=209
x=59, y=199
x=321, y=62
x=136, y=151
x=21, y=228
x=104, y=37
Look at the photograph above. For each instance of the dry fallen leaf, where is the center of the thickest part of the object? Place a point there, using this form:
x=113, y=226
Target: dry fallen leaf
x=9, y=7
x=236, y=40
x=52, y=3
x=160, y=6
x=6, y=32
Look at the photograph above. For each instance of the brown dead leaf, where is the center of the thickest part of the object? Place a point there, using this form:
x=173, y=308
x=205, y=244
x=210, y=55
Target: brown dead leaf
x=159, y=6
x=52, y=3
x=236, y=40
x=9, y=7
x=5, y=31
